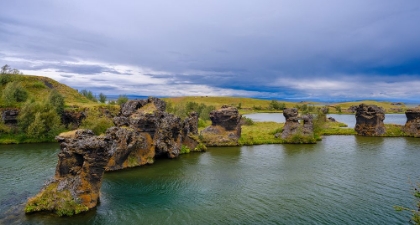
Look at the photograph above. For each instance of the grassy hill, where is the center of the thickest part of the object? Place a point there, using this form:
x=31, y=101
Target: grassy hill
x=250, y=105
x=38, y=88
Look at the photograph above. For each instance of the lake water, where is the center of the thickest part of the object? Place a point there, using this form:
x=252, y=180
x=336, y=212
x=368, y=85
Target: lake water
x=348, y=119
x=340, y=180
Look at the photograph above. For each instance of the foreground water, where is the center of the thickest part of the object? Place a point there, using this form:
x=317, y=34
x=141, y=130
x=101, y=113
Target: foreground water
x=348, y=119
x=340, y=180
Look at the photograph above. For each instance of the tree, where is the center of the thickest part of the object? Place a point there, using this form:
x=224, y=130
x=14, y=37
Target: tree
x=88, y=95
x=122, y=99
x=6, y=69
x=57, y=101
x=102, y=98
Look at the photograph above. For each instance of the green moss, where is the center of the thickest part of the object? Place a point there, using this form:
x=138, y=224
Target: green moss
x=184, y=150
x=394, y=130
x=60, y=202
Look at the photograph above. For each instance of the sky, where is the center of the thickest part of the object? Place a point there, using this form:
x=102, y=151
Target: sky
x=324, y=50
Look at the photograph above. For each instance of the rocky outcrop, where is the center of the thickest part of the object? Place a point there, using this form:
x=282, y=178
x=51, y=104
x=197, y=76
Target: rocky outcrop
x=225, y=129
x=369, y=120
x=412, y=126
x=72, y=119
x=143, y=131
x=9, y=116
x=78, y=176
x=293, y=127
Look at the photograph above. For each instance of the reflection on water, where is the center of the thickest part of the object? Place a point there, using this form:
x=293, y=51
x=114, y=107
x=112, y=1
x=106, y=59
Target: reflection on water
x=340, y=180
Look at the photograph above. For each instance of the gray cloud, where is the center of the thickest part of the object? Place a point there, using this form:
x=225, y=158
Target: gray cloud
x=225, y=45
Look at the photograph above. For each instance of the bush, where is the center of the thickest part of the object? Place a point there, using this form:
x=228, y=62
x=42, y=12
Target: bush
x=276, y=105
x=38, y=85
x=88, y=95
x=14, y=92
x=247, y=121
x=102, y=98
x=96, y=122
x=57, y=101
x=122, y=99
x=39, y=120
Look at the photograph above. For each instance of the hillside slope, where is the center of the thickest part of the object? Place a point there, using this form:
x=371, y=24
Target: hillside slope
x=38, y=88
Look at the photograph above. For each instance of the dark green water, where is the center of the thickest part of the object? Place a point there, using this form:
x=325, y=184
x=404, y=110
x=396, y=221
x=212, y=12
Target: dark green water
x=341, y=180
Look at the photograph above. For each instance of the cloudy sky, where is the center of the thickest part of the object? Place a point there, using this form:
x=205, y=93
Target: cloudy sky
x=280, y=49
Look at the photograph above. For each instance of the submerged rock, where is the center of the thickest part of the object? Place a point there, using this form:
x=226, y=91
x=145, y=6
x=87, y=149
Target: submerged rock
x=143, y=131
x=225, y=129
x=369, y=120
x=412, y=126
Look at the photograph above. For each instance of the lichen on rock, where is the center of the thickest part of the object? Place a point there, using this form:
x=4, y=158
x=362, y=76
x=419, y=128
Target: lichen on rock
x=225, y=129
x=142, y=131
x=369, y=120
x=412, y=126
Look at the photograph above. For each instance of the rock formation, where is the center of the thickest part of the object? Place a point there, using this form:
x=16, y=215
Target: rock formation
x=412, y=126
x=72, y=118
x=293, y=127
x=225, y=129
x=143, y=131
x=369, y=120
x=9, y=116
x=78, y=176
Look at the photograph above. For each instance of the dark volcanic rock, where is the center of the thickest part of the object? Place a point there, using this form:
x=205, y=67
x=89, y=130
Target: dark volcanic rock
x=78, y=175
x=72, y=118
x=143, y=130
x=9, y=116
x=225, y=128
x=412, y=126
x=369, y=120
x=227, y=117
x=292, y=125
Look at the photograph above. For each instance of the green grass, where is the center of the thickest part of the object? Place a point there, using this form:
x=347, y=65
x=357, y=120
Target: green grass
x=59, y=202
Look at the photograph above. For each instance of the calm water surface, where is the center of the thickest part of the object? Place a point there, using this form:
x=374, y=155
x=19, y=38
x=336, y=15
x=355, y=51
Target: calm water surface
x=348, y=119
x=340, y=180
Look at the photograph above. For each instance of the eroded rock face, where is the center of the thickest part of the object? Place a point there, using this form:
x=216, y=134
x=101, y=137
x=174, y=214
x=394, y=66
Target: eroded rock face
x=412, y=126
x=78, y=176
x=72, y=118
x=369, y=120
x=9, y=116
x=292, y=125
x=143, y=131
x=225, y=129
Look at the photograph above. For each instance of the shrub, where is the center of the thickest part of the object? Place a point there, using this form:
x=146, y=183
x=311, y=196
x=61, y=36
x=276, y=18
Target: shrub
x=247, y=121
x=14, y=92
x=38, y=85
x=122, y=99
x=39, y=120
x=57, y=101
x=102, y=98
x=88, y=95
x=96, y=122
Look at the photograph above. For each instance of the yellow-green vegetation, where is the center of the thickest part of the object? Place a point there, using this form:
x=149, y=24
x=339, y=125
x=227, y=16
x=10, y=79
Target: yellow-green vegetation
x=261, y=133
x=97, y=121
x=244, y=105
x=38, y=88
x=389, y=107
x=415, y=218
x=60, y=202
x=394, y=130
x=336, y=128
